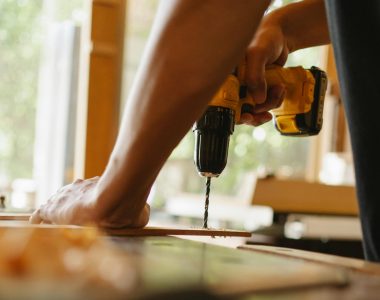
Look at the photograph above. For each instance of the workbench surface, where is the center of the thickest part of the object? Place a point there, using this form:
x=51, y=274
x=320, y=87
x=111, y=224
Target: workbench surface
x=176, y=268
x=181, y=264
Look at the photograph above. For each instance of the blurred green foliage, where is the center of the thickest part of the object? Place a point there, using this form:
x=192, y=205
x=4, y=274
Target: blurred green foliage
x=20, y=43
x=23, y=24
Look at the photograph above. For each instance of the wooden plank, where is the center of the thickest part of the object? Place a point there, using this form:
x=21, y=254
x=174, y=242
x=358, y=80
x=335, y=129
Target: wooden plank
x=146, y=231
x=332, y=73
x=14, y=217
x=296, y=196
x=164, y=231
x=350, y=263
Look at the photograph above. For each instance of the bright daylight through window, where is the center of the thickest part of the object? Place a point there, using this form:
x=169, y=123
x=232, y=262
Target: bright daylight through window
x=39, y=48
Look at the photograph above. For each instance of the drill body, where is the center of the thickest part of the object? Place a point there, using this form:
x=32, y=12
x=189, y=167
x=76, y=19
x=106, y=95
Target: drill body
x=300, y=113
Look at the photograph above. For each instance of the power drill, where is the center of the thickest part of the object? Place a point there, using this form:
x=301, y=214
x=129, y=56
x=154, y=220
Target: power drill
x=300, y=114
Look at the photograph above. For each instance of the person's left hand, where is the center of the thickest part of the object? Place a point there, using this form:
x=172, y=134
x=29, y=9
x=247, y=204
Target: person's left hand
x=76, y=203
x=71, y=204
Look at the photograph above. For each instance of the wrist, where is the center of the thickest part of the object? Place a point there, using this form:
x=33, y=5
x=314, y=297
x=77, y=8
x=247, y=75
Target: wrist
x=303, y=24
x=90, y=212
x=114, y=204
x=278, y=21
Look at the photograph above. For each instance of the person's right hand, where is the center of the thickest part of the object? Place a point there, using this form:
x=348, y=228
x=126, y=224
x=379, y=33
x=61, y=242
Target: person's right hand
x=269, y=46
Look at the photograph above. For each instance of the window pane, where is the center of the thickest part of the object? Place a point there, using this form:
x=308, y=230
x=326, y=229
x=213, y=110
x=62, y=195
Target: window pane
x=34, y=37
x=20, y=45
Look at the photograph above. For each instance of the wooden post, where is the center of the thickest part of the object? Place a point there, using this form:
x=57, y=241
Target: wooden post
x=98, y=120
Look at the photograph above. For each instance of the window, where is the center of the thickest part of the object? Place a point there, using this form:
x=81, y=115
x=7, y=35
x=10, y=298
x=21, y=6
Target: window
x=39, y=52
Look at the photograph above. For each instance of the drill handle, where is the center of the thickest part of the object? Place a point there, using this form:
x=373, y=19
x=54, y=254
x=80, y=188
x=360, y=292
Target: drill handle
x=298, y=82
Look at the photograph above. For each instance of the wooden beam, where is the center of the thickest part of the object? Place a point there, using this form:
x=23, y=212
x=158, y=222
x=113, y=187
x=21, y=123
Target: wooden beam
x=101, y=121
x=341, y=132
x=332, y=74
x=296, y=196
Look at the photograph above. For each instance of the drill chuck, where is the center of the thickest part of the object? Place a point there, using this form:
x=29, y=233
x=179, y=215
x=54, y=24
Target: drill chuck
x=212, y=136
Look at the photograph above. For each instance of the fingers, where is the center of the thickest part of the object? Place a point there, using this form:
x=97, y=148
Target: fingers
x=71, y=204
x=260, y=112
x=275, y=96
x=78, y=181
x=255, y=119
x=255, y=75
x=94, y=179
x=42, y=215
x=36, y=218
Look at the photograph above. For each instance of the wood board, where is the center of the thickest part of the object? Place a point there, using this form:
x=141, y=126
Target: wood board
x=164, y=231
x=14, y=217
x=146, y=231
x=297, y=196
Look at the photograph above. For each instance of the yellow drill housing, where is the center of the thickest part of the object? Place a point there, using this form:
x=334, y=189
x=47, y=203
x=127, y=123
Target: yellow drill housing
x=304, y=87
x=300, y=113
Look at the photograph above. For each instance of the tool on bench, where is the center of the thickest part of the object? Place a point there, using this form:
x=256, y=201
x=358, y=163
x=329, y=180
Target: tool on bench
x=300, y=114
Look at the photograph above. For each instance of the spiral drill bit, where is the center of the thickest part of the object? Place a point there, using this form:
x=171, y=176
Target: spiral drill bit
x=205, y=218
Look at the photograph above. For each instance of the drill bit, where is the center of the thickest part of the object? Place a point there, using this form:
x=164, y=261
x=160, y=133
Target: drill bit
x=205, y=218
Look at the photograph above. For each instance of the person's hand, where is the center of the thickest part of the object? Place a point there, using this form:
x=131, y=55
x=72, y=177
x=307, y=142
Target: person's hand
x=268, y=47
x=75, y=204
x=71, y=204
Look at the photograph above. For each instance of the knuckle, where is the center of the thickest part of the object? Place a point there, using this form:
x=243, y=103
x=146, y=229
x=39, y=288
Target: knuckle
x=61, y=200
x=41, y=213
x=254, y=79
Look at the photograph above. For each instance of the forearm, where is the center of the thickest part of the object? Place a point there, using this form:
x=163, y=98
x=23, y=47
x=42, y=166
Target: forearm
x=193, y=46
x=303, y=23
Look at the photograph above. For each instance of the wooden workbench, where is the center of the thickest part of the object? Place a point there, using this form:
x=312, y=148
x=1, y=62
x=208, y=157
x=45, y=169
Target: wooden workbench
x=363, y=276
x=257, y=272
x=175, y=267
